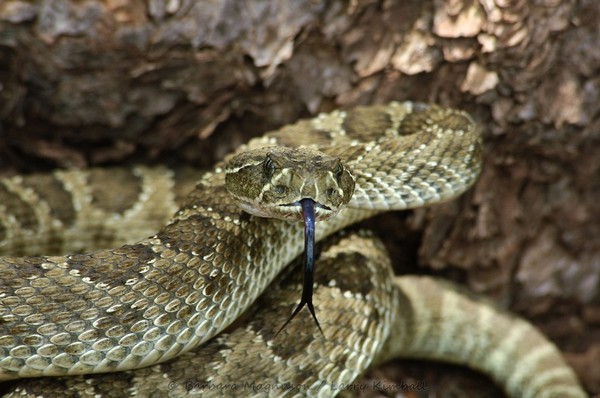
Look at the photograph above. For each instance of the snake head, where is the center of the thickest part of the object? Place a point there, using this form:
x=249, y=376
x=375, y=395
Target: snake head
x=271, y=182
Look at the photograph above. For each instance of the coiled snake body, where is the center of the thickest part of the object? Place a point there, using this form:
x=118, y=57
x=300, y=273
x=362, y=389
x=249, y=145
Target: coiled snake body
x=148, y=302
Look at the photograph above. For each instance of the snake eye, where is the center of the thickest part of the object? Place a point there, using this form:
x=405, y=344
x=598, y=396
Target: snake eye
x=330, y=192
x=280, y=189
x=268, y=166
x=338, y=169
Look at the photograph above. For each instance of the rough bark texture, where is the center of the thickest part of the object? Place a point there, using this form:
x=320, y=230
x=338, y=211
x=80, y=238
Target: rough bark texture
x=99, y=82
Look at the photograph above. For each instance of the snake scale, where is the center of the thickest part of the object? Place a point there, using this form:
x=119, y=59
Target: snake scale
x=133, y=309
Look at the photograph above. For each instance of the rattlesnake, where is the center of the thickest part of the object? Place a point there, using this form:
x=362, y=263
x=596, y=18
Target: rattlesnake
x=148, y=302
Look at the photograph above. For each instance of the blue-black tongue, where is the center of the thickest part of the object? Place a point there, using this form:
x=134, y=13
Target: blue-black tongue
x=308, y=215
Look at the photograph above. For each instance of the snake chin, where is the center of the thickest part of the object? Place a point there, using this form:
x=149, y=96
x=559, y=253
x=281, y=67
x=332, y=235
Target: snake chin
x=288, y=212
x=322, y=212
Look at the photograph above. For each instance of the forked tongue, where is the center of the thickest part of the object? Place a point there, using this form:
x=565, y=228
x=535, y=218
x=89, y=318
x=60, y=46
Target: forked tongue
x=308, y=215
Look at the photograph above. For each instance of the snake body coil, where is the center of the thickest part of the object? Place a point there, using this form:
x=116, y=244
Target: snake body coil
x=148, y=302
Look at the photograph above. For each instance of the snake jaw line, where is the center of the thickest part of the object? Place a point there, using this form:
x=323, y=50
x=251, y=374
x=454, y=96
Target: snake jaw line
x=288, y=212
x=321, y=211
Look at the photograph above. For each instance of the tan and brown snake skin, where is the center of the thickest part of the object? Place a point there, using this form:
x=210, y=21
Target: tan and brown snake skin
x=147, y=302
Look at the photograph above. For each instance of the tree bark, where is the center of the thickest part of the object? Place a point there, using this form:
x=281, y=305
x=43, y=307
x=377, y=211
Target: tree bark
x=87, y=83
